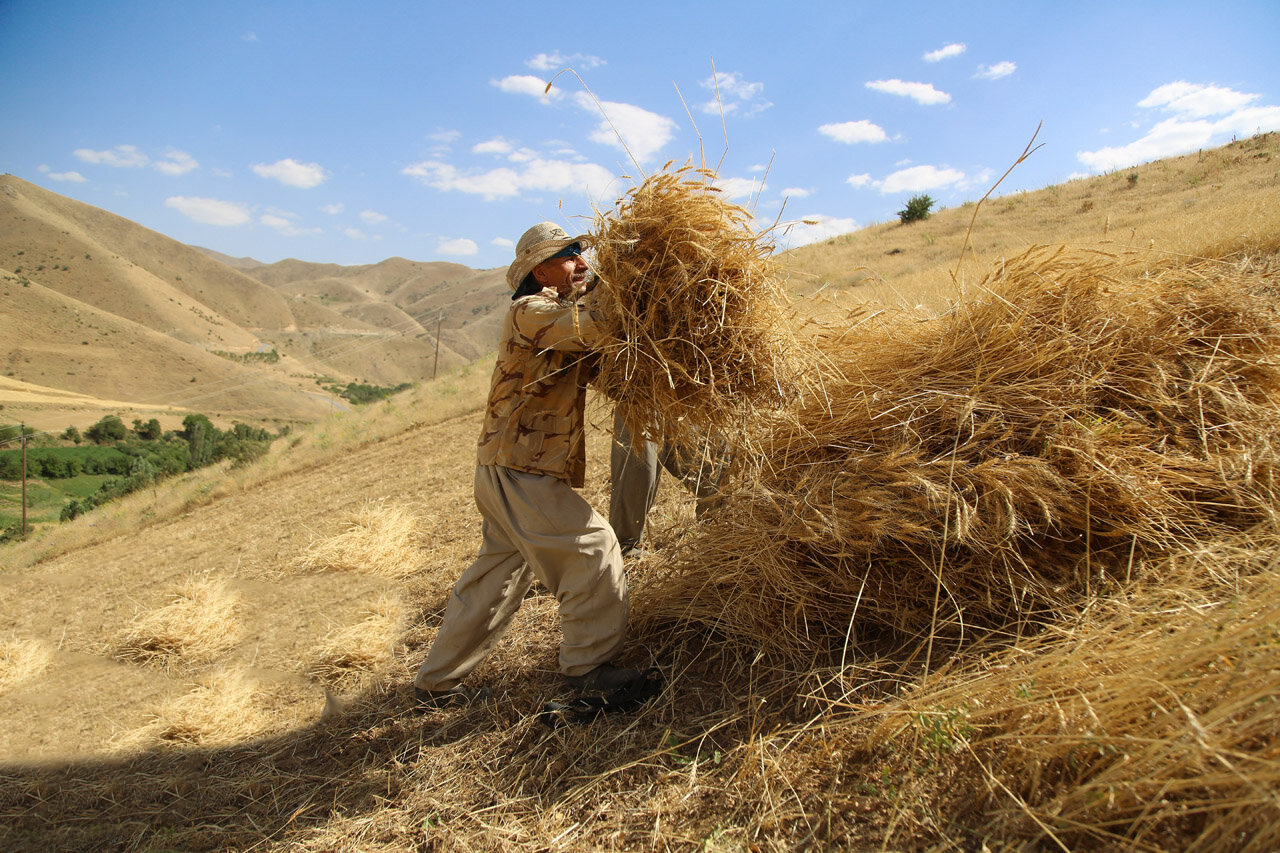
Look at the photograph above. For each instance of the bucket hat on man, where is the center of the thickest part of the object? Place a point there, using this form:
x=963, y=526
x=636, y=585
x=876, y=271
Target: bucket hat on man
x=536, y=245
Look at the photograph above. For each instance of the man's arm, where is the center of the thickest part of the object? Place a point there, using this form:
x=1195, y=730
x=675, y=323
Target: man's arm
x=549, y=324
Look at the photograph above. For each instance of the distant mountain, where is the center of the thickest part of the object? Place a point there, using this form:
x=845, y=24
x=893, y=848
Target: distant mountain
x=97, y=305
x=234, y=263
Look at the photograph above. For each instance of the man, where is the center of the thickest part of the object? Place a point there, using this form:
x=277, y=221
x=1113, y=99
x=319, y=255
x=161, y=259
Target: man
x=532, y=454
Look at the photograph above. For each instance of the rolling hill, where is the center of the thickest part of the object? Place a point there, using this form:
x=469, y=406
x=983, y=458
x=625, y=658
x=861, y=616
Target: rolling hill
x=98, y=306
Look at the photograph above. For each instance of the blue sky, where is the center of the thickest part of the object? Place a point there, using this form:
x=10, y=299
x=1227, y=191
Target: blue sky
x=349, y=132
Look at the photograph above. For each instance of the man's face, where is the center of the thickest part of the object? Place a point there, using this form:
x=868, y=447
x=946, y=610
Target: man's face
x=566, y=275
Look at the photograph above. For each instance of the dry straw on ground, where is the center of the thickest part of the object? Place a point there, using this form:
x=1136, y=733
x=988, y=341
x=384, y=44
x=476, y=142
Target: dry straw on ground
x=22, y=661
x=224, y=709
x=194, y=628
x=355, y=655
x=379, y=538
x=693, y=331
x=1150, y=724
x=1078, y=416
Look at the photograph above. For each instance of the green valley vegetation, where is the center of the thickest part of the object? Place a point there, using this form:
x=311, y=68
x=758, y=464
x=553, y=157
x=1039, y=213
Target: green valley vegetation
x=73, y=473
x=360, y=392
x=271, y=356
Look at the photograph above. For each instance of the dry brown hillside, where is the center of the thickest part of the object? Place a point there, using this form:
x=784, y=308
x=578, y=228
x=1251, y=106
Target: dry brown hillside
x=1214, y=200
x=120, y=267
x=55, y=342
x=96, y=305
x=403, y=297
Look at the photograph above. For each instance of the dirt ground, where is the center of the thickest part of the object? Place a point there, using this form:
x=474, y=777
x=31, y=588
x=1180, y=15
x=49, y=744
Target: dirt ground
x=76, y=605
x=88, y=701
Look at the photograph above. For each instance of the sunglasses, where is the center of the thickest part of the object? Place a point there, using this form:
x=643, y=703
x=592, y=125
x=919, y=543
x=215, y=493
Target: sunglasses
x=570, y=251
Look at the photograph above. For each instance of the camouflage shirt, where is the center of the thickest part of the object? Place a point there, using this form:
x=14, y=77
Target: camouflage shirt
x=535, y=417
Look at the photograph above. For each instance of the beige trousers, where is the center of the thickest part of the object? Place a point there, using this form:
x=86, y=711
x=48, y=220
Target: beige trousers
x=534, y=525
x=634, y=480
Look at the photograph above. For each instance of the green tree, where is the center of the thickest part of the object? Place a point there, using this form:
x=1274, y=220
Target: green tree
x=917, y=209
x=150, y=431
x=109, y=429
x=202, y=439
x=72, y=434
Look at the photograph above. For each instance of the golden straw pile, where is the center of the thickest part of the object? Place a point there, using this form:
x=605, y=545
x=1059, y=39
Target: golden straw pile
x=1080, y=416
x=693, y=312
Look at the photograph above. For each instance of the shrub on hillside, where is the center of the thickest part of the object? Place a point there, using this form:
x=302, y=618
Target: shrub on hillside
x=917, y=209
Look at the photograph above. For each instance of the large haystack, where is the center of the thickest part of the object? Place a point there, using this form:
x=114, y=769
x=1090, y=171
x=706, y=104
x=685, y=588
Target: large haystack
x=1079, y=415
x=693, y=308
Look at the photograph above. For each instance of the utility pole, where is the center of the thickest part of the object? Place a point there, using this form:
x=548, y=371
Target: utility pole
x=22, y=439
x=436, y=364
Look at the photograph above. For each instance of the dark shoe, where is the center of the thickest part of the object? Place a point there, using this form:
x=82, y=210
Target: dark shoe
x=584, y=709
x=632, y=551
x=606, y=678
x=460, y=695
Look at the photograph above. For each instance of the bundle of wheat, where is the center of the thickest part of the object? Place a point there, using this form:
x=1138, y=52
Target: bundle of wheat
x=22, y=661
x=693, y=329
x=1081, y=415
x=379, y=538
x=196, y=627
x=224, y=708
x=356, y=653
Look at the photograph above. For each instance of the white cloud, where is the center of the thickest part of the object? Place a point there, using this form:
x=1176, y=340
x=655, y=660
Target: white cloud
x=995, y=72
x=292, y=173
x=638, y=130
x=122, y=156
x=1190, y=128
x=210, y=211
x=739, y=187
x=813, y=228
x=283, y=221
x=445, y=137
x=945, y=52
x=525, y=84
x=859, y=181
x=1195, y=101
x=556, y=60
x=796, y=192
x=176, y=162
x=460, y=246
x=332, y=209
x=492, y=184
x=249, y=36
x=850, y=132
x=372, y=217
x=354, y=233
x=921, y=93
x=69, y=177
x=503, y=242
x=497, y=145
x=561, y=175
x=535, y=175
x=735, y=94
x=919, y=178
